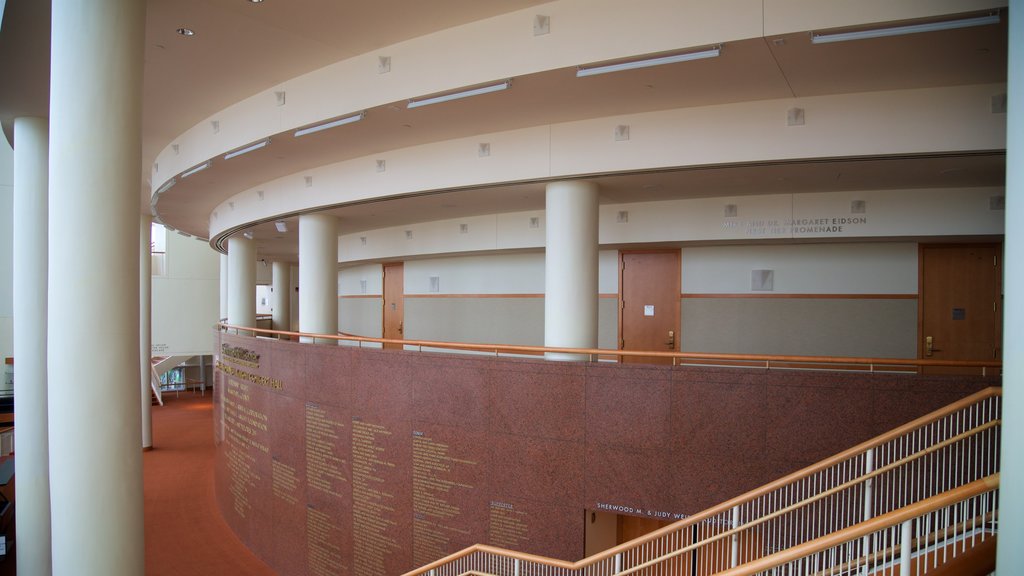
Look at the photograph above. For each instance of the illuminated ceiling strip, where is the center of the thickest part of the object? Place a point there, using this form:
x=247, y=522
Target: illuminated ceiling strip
x=901, y=30
x=634, y=64
x=247, y=149
x=167, y=186
x=456, y=95
x=199, y=168
x=329, y=125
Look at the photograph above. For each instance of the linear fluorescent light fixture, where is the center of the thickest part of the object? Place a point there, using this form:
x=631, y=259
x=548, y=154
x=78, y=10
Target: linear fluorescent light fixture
x=281, y=226
x=634, y=64
x=247, y=149
x=901, y=30
x=329, y=125
x=166, y=186
x=457, y=95
x=195, y=169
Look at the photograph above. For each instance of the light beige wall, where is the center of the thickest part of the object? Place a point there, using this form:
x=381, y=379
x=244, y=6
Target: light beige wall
x=495, y=298
x=186, y=301
x=360, y=312
x=863, y=268
x=813, y=327
x=6, y=249
x=361, y=316
x=865, y=324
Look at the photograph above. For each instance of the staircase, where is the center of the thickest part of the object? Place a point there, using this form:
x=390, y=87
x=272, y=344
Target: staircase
x=922, y=497
x=161, y=366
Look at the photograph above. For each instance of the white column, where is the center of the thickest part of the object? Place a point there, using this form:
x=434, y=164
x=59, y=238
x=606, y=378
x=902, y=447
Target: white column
x=1010, y=557
x=570, y=268
x=223, y=286
x=93, y=355
x=32, y=467
x=146, y=327
x=241, y=282
x=318, y=274
x=281, y=302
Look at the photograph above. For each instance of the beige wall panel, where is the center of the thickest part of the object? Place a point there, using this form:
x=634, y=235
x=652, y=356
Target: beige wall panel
x=481, y=320
x=350, y=280
x=361, y=316
x=607, y=323
x=876, y=268
x=812, y=327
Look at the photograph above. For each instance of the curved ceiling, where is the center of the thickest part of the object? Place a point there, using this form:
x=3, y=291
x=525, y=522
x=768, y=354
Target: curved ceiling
x=243, y=47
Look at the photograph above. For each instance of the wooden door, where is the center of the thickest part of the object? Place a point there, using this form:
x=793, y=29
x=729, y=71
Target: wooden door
x=394, y=303
x=632, y=527
x=649, y=303
x=960, y=303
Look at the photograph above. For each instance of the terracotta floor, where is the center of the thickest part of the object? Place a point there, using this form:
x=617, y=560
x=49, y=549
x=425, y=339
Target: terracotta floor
x=185, y=534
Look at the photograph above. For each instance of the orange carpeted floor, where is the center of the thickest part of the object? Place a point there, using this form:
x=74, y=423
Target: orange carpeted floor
x=185, y=534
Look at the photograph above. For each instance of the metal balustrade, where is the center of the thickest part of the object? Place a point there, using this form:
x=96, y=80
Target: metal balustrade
x=913, y=540
x=942, y=451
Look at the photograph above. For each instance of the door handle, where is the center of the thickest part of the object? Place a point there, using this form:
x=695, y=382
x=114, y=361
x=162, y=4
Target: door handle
x=671, y=340
x=929, y=346
x=401, y=327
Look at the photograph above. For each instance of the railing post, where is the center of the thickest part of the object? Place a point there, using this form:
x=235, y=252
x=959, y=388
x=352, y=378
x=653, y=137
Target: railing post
x=618, y=563
x=734, y=553
x=905, y=548
x=869, y=484
x=869, y=497
x=515, y=567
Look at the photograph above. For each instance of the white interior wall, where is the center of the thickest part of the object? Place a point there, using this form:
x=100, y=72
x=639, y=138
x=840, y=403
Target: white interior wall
x=6, y=249
x=350, y=280
x=864, y=268
x=935, y=212
x=510, y=273
x=186, y=301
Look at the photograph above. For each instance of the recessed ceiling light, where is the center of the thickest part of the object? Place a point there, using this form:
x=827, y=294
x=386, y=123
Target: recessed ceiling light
x=186, y=32
x=255, y=1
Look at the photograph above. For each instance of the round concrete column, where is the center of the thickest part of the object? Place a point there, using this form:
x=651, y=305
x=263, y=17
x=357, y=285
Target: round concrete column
x=570, y=268
x=146, y=328
x=242, y=283
x=318, y=275
x=31, y=442
x=1010, y=557
x=93, y=354
x=281, y=301
x=223, y=286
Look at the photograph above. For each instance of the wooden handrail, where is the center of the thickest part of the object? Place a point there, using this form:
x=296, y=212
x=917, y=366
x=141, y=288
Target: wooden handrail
x=594, y=352
x=867, y=527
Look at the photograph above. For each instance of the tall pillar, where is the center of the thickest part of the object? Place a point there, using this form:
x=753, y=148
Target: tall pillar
x=318, y=275
x=241, y=282
x=1009, y=556
x=93, y=355
x=570, y=268
x=223, y=286
x=146, y=328
x=32, y=466
x=281, y=302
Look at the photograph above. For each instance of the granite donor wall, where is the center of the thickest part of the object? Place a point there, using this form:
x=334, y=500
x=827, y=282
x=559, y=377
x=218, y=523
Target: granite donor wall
x=335, y=460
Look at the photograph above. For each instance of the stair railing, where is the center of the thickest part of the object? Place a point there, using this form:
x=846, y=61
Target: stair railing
x=941, y=451
x=914, y=539
x=154, y=383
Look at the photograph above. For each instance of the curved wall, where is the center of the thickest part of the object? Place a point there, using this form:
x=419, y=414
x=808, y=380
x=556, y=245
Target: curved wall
x=333, y=460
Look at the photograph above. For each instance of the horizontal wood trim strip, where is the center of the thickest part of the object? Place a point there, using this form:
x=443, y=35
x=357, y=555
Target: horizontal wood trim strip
x=377, y=296
x=491, y=295
x=807, y=296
